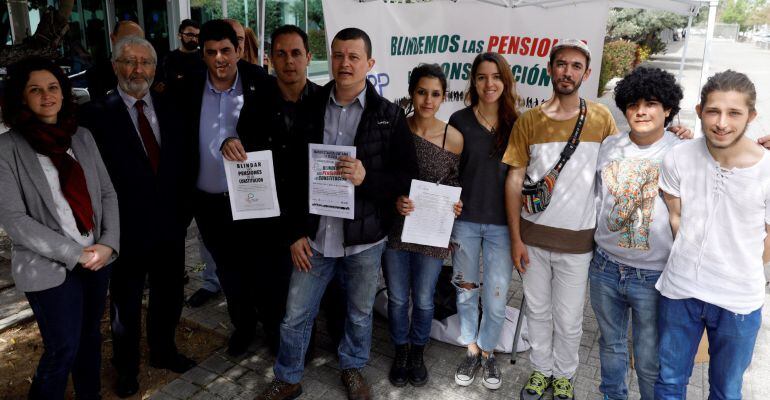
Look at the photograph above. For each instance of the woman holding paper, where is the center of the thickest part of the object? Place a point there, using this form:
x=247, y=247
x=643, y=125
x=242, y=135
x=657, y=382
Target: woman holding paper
x=482, y=228
x=59, y=208
x=414, y=268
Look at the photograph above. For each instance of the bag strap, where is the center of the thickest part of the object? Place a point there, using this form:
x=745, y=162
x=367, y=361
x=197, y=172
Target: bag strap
x=574, y=140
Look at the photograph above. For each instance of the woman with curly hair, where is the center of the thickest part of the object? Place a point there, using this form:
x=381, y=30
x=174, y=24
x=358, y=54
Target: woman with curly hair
x=60, y=210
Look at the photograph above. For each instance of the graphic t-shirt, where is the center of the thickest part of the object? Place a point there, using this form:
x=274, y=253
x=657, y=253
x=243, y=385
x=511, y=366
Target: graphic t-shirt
x=536, y=142
x=632, y=224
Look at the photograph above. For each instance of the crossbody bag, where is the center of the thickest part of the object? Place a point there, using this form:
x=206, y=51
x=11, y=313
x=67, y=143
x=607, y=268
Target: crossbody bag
x=537, y=195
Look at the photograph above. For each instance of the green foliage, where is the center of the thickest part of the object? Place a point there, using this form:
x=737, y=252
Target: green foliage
x=642, y=26
x=618, y=59
x=737, y=12
x=317, y=42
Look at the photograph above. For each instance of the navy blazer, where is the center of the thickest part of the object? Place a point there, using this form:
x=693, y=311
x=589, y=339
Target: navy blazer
x=254, y=80
x=154, y=209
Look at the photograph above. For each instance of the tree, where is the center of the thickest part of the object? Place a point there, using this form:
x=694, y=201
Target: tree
x=737, y=12
x=642, y=26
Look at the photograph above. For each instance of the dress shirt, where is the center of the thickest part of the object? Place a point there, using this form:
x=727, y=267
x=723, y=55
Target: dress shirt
x=149, y=112
x=219, y=117
x=63, y=209
x=340, y=126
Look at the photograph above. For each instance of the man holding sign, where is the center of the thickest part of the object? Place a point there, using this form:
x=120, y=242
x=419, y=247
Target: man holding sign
x=348, y=112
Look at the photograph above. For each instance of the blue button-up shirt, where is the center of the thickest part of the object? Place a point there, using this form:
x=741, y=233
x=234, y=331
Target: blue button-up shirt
x=340, y=126
x=219, y=116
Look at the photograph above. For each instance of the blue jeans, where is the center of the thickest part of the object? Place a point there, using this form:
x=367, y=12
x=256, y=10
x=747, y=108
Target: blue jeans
x=69, y=318
x=406, y=273
x=470, y=242
x=360, y=273
x=731, y=345
x=617, y=292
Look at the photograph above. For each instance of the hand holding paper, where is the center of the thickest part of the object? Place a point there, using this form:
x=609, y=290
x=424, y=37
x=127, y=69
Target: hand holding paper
x=430, y=223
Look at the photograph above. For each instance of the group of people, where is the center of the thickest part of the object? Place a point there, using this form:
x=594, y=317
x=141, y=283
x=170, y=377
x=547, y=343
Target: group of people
x=668, y=230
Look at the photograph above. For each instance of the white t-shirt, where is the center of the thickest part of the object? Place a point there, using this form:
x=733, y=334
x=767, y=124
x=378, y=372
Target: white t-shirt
x=717, y=254
x=633, y=225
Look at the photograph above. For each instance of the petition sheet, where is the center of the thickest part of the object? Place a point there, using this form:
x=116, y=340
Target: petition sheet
x=433, y=217
x=251, y=184
x=330, y=193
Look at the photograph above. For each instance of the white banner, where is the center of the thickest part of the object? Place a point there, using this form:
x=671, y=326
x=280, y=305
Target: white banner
x=452, y=33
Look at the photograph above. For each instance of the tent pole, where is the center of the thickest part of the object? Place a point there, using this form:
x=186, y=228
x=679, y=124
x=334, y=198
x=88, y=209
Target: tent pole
x=684, y=48
x=261, y=6
x=707, y=48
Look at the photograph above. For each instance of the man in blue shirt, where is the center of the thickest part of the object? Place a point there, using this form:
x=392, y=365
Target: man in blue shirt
x=348, y=111
x=218, y=96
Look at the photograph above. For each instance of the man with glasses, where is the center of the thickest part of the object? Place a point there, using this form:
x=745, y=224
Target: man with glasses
x=147, y=156
x=100, y=77
x=186, y=59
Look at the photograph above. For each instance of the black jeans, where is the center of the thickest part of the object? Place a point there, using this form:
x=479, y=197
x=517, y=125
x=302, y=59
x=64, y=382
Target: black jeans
x=68, y=317
x=164, y=267
x=253, y=265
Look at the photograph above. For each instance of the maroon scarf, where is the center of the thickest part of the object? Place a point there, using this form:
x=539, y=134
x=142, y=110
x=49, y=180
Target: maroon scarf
x=53, y=141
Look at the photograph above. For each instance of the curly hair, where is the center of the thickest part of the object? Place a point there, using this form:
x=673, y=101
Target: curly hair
x=649, y=84
x=18, y=76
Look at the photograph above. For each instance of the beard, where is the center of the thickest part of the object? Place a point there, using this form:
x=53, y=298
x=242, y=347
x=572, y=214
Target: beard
x=189, y=46
x=566, y=92
x=134, y=86
x=725, y=145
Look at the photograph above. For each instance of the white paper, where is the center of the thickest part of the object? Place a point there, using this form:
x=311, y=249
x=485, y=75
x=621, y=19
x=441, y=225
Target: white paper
x=251, y=186
x=330, y=193
x=433, y=217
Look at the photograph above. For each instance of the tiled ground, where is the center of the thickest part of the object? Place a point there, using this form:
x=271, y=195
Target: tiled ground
x=221, y=377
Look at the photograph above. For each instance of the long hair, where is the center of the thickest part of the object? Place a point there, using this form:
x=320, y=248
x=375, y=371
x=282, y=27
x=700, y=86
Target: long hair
x=251, y=47
x=18, y=76
x=506, y=112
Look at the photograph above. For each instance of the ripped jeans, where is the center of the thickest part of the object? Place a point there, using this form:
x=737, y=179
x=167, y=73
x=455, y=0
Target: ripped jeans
x=470, y=242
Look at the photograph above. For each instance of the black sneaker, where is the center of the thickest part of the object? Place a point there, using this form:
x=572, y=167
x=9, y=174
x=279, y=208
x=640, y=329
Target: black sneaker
x=492, y=378
x=466, y=371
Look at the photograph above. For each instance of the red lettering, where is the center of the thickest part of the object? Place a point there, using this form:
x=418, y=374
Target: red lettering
x=525, y=42
x=513, y=46
x=493, y=40
x=503, y=42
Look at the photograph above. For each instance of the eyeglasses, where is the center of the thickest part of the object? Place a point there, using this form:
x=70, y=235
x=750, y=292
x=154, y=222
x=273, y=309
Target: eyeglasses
x=136, y=63
x=190, y=35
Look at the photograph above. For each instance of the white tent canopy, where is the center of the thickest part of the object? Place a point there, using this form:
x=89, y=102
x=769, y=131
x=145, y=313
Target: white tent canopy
x=689, y=8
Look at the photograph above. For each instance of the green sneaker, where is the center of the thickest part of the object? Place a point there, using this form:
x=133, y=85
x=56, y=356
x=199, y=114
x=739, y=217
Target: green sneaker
x=562, y=389
x=536, y=386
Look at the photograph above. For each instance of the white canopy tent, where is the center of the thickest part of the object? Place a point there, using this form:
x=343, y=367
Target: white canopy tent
x=689, y=8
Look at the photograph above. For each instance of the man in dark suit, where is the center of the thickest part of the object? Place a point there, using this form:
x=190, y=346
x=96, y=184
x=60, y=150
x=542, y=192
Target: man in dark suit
x=148, y=160
x=101, y=77
x=216, y=99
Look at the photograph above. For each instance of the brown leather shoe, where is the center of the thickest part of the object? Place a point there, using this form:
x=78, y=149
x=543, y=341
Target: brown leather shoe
x=279, y=390
x=357, y=387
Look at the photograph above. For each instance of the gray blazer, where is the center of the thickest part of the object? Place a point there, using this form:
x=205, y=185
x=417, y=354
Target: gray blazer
x=41, y=251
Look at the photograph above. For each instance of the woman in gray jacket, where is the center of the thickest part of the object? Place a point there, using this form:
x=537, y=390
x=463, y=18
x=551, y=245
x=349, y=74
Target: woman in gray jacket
x=60, y=210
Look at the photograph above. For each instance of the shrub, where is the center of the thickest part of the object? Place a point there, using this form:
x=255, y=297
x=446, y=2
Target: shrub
x=317, y=39
x=618, y=59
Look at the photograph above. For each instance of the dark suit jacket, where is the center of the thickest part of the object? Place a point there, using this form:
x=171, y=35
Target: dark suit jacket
x=262, y=126
x=254, y=80
x=101, y=79
x=154, y=208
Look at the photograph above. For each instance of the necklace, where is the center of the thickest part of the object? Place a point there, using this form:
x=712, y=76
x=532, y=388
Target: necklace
x=491, y=127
